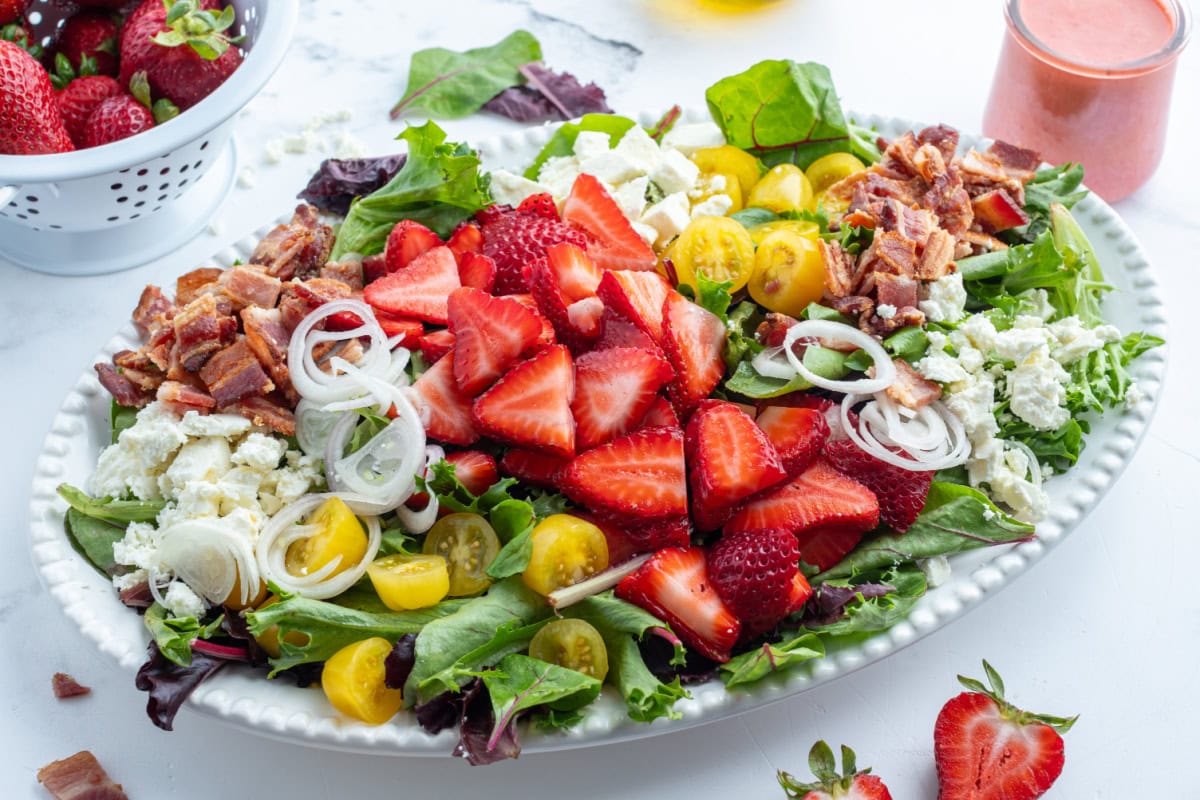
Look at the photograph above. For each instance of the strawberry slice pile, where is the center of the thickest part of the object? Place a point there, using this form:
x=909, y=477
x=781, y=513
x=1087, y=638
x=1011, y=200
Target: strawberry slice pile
x=591, y=375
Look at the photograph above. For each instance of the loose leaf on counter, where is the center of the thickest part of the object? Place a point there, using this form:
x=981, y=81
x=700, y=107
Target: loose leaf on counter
x=106, y=508
x=562, y=143
x=93, y=539
x=447, y=84
x=329, y=627
x=762, y=661
x=955, y=519
x=339, y=180
x=548, y=95
x=786, y=111
x=439, y=186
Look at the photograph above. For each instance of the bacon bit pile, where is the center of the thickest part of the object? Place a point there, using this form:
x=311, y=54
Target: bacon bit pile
x=927, y=207
x=79, y=777
x=65, y=686
x=221, y=345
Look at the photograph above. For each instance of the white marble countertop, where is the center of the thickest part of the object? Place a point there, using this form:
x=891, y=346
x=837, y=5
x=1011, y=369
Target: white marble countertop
x=1106, y=625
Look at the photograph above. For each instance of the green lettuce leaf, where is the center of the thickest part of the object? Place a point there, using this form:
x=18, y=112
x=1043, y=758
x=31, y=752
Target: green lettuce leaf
x=520, y=683
x=868, y=615
x=747, y=381
x=120, y=418
x=447, y=84
x=174, y=635
x=93, y=539
x=440, y=185
x=510, y=637
x=760, y=662
x=109, y=509
x=1101, y=379
x=1061, y=184
x=562, y=143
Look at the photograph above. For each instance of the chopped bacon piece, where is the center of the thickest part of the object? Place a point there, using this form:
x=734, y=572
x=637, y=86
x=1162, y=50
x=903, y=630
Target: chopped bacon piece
x=896, y=291
x=133, y=359
x=268, y=338
x=147, y=381
x=182, y=398
x=839, y=268
x=318, y=291
x=949, y=200
x=938, y=258
x=943, y=137
x=234, y=373
x=983, y=172
x=895, y=253
x=65, y=686
x=347, y=272
x=191, y=285
x=1018, y=162
x=250, y=285
x=160, y=344
x=912, y=223
x=997, y=211
x=979, y=242
x=151, y=305
x=298, y=249
x=137, y=596
x=929, y=162
x=910, y=389
x=904, y=317
x=79, y=777
x=124, y=391
x=201, y=329
x=898, y=159
x=854, y=306
x=266, y=413
x=773, y=329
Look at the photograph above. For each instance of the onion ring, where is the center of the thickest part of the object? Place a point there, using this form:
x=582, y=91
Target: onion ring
x=885, y=370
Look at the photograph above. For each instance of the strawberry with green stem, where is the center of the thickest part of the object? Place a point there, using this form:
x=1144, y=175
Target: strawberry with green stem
x=30, y=122
x=12, y=10
x=985, y=748
x=90, y=35
x=851, y=783
x=126, y=114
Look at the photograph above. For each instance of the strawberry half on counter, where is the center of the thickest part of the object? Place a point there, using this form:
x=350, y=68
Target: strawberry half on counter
x=850, y=784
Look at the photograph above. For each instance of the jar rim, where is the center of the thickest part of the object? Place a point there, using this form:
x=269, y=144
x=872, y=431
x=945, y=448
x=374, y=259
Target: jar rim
x=1181, y=19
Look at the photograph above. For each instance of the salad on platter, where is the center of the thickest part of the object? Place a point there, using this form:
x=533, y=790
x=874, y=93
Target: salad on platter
x=697, y=402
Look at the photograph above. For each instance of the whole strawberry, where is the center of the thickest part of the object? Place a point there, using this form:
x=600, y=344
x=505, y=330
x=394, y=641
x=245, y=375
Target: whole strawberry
x=82, y=97
x=30, y=122
x=183, y=47
x=514, y=238
x=987, y=749
x=90, y=35
x=10, y=10
x=758, y=577
x=852, y=784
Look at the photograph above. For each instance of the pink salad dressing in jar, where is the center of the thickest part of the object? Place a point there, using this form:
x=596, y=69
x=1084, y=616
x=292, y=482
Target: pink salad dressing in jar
x=1089, y=81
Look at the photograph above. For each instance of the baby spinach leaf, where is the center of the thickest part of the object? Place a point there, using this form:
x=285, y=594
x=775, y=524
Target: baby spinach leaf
x=93, y=539
x=106, y=508
x=120, y=418
x=760, y=662
x=562, y=143
x=514, y=556
x=447, y=84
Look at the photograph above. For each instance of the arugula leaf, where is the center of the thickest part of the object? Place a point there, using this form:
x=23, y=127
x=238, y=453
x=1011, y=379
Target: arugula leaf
x=520, y=683
x=93, y=539
x=439, y=186
x=955, y=519
x=758, y=663
x=562, y=143
x=106, y=508
x=786, y=111
x=174, y=635
x=447, y=84
x=328, y=627
x=120, y=418
x=1059, y=448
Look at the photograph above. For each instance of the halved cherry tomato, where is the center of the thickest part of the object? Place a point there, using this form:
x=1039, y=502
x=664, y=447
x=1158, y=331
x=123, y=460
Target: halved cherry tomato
x=469, y=545
x=719, y=247
x=235, y=601
x=783, y=188
x=730, y=161
x=566, y=550
x=828, y=170
x=788, y=273
x=800, y=226
x=405, y=582
x=353, y=680
x=339, y=533
x=571, y=643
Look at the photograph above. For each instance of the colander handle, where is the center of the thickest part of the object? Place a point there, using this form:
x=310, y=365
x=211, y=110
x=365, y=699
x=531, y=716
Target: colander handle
x=7, y=193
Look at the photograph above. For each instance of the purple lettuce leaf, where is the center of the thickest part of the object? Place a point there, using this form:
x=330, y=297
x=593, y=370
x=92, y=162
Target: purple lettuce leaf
x=476, y=728
x=339, y=180
x=828, y=603
x=170, y=685
x=399, y=663
x=547, y=94
x=658, y=653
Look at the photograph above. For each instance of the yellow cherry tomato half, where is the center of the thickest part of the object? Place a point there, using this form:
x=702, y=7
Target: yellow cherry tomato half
x=268, y=640
x=784, y=188
x=800, y=226
x=719, y=247
x=788, y=273
x=828, y=170
x=732, y=162
x=353, y=680
x=337, y=532
x=714, y=183
x=405, y=582
x=571, y=643
x=566, y=550
x=469, y=545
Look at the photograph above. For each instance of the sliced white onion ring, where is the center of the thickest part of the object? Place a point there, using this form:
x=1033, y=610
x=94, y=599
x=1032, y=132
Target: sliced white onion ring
x=771, y=363
x=313, y=426
x=282, y=531
x=211, y=557
x=885, y=370
x=383, y=471
x=323, y=387
x=932, y=439
x=1035, y=466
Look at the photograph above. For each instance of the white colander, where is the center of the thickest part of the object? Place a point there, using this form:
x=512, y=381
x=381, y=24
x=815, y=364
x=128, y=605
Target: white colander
x=108, y=208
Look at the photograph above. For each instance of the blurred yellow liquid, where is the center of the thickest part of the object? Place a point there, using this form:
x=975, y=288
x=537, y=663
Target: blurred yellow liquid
x=690, y=9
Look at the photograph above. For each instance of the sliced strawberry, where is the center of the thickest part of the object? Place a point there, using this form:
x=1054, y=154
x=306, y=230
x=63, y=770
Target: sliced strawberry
x=647, y=536
x=901, y=492
x=621, y=547
x=825, y=509
x=436, y=344
x=641, y=474
x=408, y=240
x=798, y=434
x=419, y=290
x=615, y=245
x=617, y=331
x=546, y=337
x=411, y=329
x=674, y=586
x=661, y=415
x=694, y=340
x=490, y=334
x=467, y=238
x=801, y=592
x=477, y=271
x=540, y=205
x=531, y=405
x=613, y=391
x=553, y=305
x=729, y=459
x=637, y=296
x=575, y=274
x=445, y=410
x=536, y=469
x=829, y=409
x=515, y=239
x=754, y=574
x=374, y=267
x=475, y=470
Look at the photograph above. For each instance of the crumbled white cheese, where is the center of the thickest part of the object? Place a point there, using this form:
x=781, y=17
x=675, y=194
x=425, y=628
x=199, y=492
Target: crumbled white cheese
x=558, y=175
x=885, y=311
x=689, y=138
x=247, y=178
x=945, y=299
x=181, y=601
x=937, y=570
x=347, y=145
x=591, y=143
x=941, y=368
x=639, y=150
x=717, y=205
x=261, y=452
x=1074, y=341
x=668, y=217
x=508, y=188
x=611, y=166
x=1133, y=396
x=675, y=172
x=979, y=331
x=631, y=197
x=1039, y=301
x=649, y=234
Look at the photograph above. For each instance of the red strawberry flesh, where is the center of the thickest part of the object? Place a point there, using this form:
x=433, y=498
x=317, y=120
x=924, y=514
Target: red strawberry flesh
x=531, y=405
x=641, y=474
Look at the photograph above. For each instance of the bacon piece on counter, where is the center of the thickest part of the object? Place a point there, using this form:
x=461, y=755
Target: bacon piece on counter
x=151, y=305
x=202, y=327
x=191, y=285
x=182, y=398
x=123, y=390
x=910, y=388
x=65, y=686
x=79, y=777
x=233, y=373
x=266, y=413
x=268, y=338
x=250, y=285
x=298, y=249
